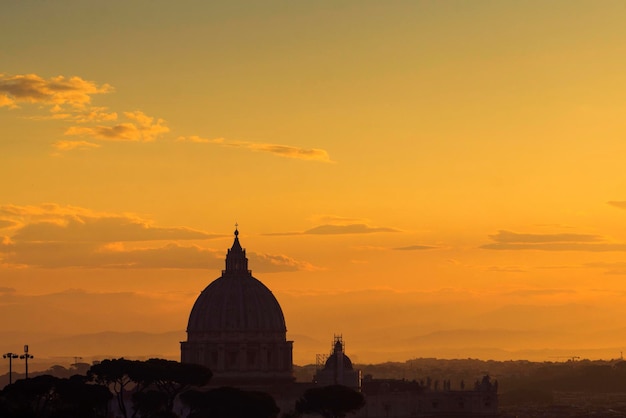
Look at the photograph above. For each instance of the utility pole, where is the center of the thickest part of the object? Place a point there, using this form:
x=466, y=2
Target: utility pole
x=25, y=357
x=10, y=356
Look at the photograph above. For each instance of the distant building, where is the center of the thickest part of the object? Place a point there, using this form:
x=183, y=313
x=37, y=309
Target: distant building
x=402, y=398
x=338, y=369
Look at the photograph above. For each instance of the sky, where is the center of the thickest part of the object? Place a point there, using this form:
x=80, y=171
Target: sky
x=426, y=178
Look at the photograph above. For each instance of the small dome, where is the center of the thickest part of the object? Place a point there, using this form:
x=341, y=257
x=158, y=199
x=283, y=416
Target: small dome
x=332, y=361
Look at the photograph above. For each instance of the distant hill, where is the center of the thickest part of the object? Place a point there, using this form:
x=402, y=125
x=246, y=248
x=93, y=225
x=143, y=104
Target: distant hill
x=487, y=343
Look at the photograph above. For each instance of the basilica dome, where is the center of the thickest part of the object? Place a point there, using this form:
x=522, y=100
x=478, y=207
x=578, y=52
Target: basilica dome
x=236, y=327
x=236, y=302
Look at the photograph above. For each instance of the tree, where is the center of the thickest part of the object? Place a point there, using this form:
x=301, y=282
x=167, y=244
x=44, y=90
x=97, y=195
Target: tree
x=75, y=397
x=47, y=396
x=29, y=397
x=170, y=377
x=228, y=402
x=155, y=383
x=115, y=375
x=152, y=403
x=333, y=401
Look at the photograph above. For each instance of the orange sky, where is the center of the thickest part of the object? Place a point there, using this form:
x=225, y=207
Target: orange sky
x=426, y=177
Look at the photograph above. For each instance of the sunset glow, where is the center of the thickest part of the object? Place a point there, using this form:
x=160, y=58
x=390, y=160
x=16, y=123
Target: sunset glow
x=427, y=178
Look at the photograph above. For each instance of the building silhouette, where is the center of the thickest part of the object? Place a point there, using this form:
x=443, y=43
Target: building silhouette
x=338, y=369
x=237, y=328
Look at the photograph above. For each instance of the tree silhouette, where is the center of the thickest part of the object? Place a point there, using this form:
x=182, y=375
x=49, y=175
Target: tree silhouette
x=154, y=383
x=152, y=404
x=47, y=396
x=115, y=375
x=333, y=401
x=169, y=377
x=228, y=402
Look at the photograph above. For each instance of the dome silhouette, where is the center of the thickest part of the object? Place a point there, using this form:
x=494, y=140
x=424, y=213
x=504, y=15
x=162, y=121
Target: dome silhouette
x=236, y=305
x=237, y=328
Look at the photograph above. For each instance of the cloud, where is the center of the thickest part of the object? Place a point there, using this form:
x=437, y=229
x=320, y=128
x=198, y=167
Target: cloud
x=55, y=91
x=416, y=248
x=95, y=114
x=286, y=151
x=334, y=219
x=199, y=140
x=347, y=229
x=618, y=204
x=54, y=236
x=6, y=223
x=506, y=269
x=69, y=99
x=5, y=101
x=87, y=115
x=617, y=268
x=268, y=263
x=370, y=248
x=70, y=145
x=540, y=292
x=52, y=254
x=141, y=128
x=338, y=230
x=507, y=240
x=513, y=237
x=103, y=229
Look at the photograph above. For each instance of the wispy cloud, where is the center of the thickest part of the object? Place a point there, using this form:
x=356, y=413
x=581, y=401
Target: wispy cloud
x=507, y=240
x=199, y=140
x=88, y=226
x=370, y=248
x=347, y=229
x=140, y=128
x=54, y=236
x=336, y=219
x=70, y=145
x=539, y=292
x=506, y=269
x=286, y=151
x=329, y=229
x=513, y=237
x=617, y=268
x=55, y=91
x=273, y=263
x=69, y=100
x=7, y=223
x=618, y=203
x=416, y=248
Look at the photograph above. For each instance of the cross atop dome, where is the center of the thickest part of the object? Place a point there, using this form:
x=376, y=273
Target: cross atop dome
x=236, y=260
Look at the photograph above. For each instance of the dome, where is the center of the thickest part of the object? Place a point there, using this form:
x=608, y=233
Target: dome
x=333, y=359
x=237, y=328
x=236, y=302
x=331, y=362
